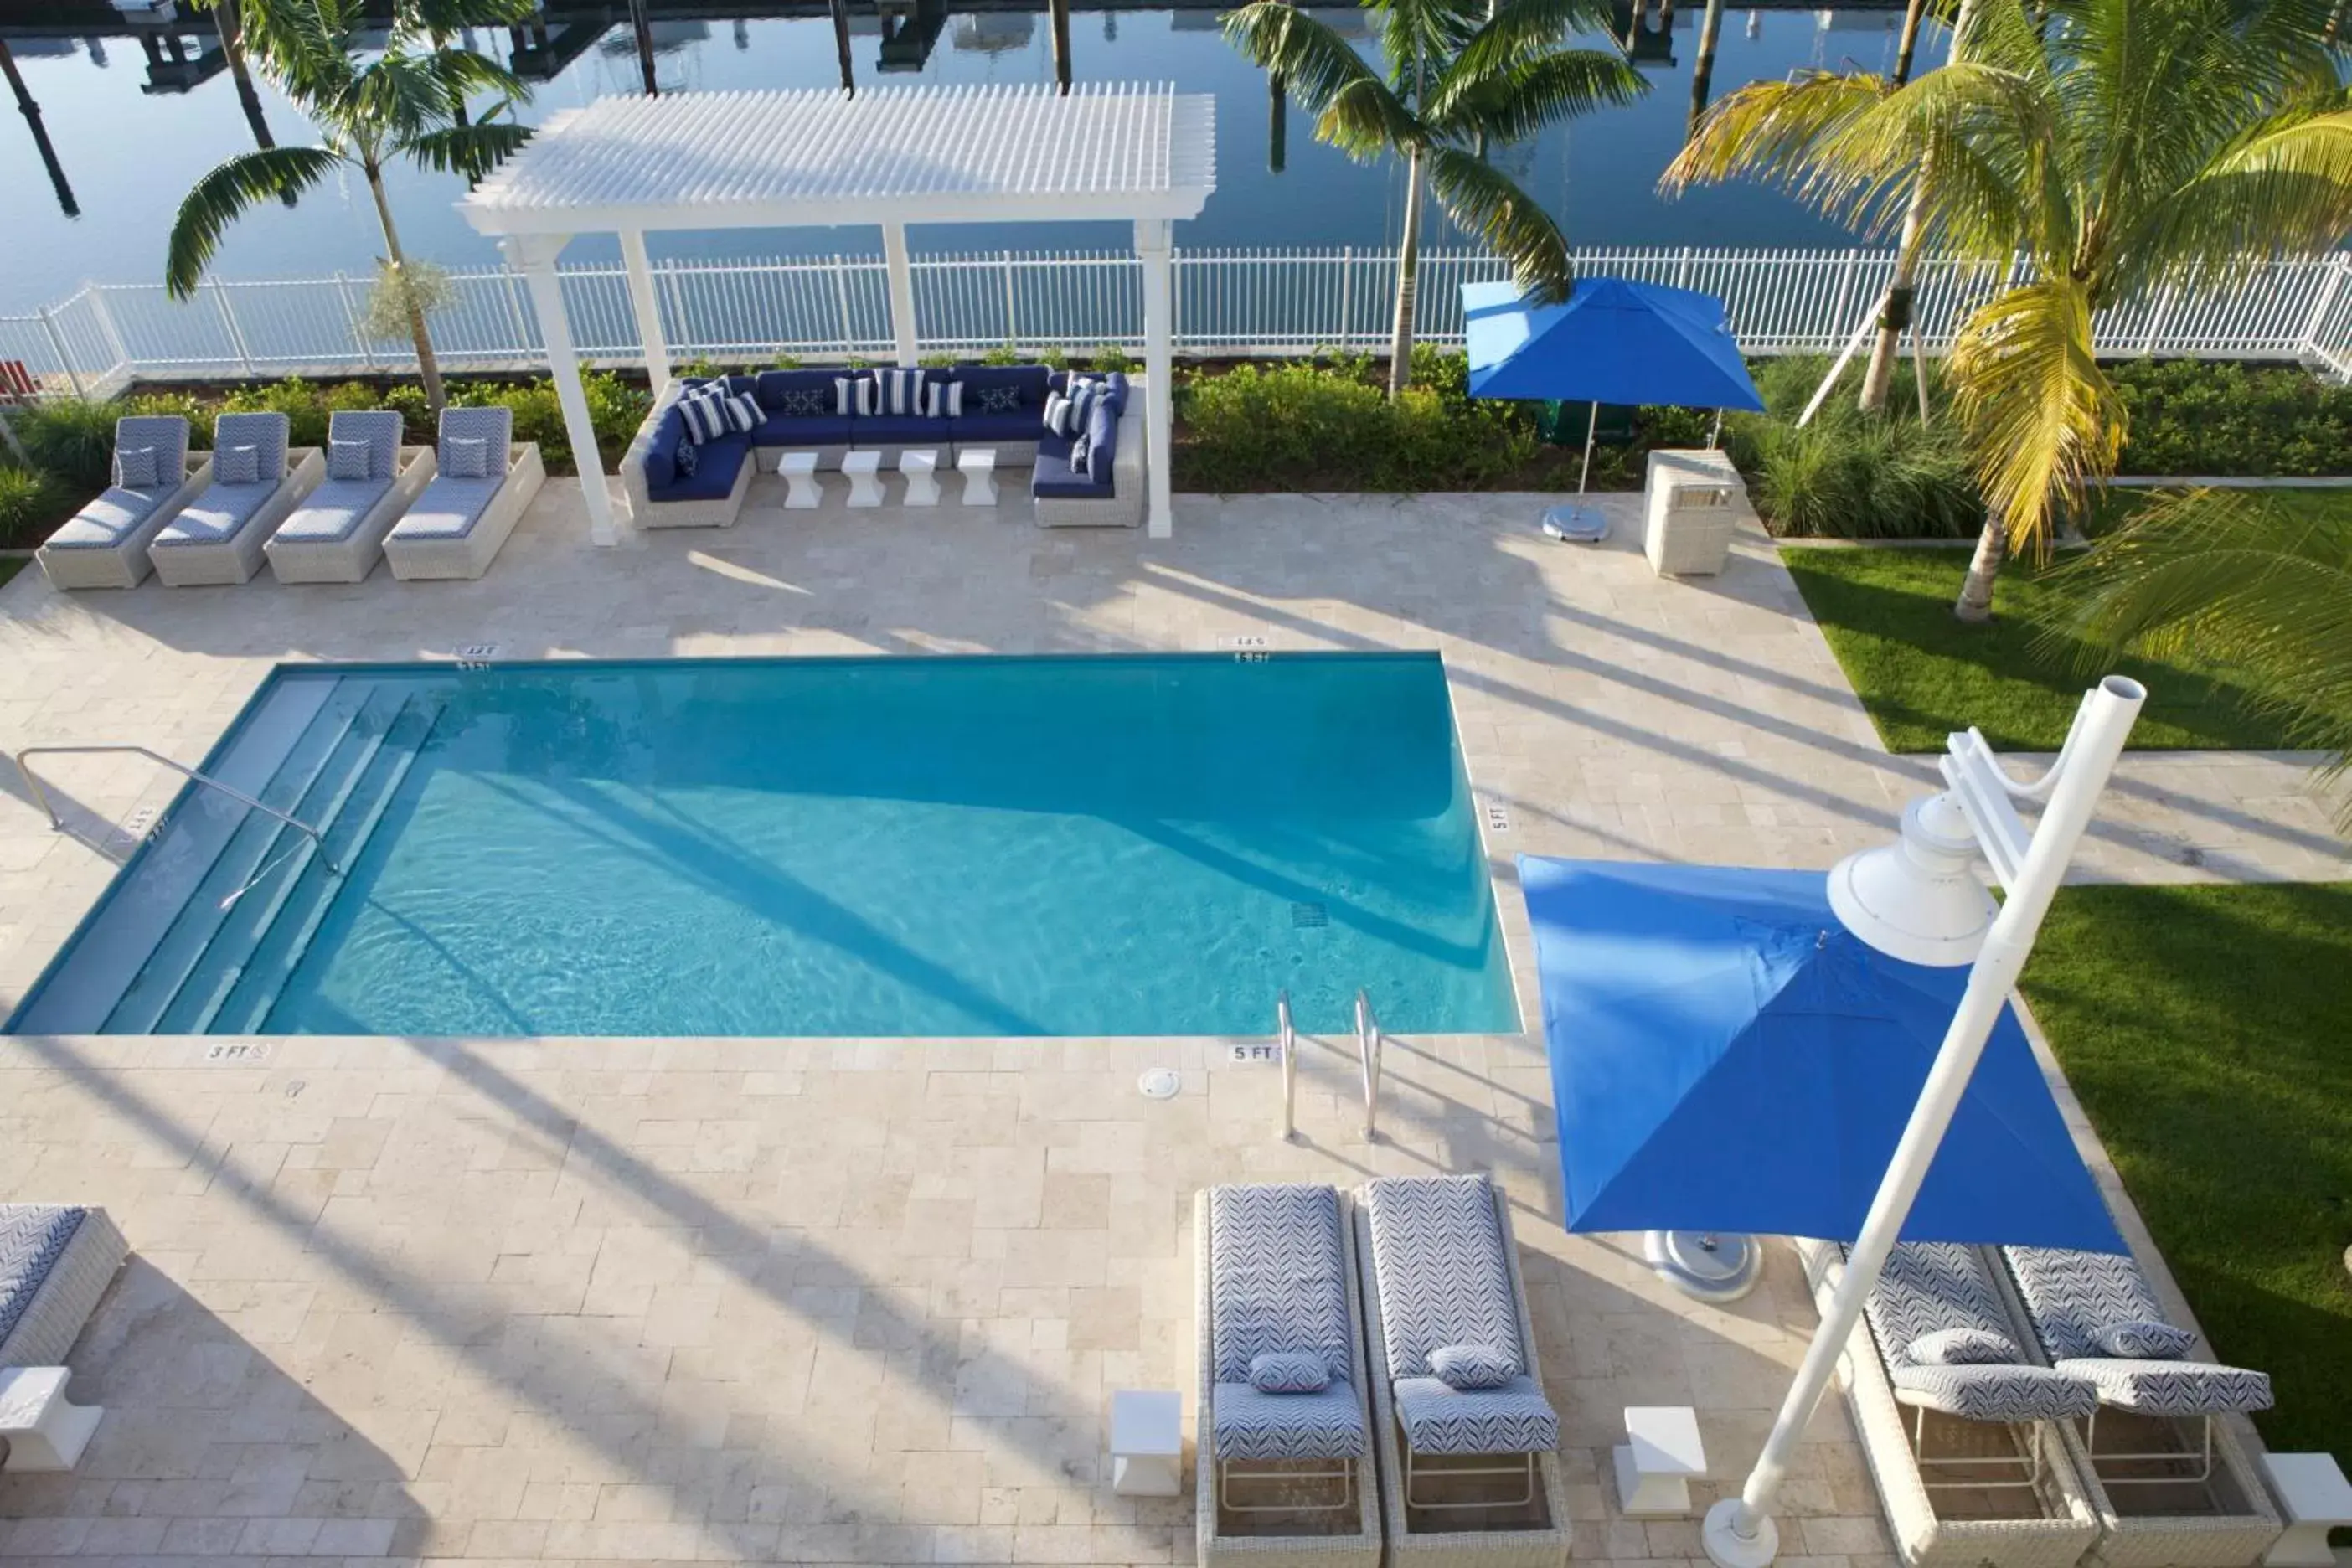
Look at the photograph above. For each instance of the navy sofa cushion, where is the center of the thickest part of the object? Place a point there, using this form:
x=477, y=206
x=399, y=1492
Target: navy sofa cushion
x=1028, y=380
x=774, y=383
x=1102, y=441
x=722, y=458
x=788, y=430
x=1023, y=425
x=661, y=452
x=894, y=429
x=1053, y=480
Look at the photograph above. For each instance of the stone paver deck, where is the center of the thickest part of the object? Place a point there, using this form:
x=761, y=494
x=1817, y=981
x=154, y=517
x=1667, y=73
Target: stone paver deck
x=604, y=1302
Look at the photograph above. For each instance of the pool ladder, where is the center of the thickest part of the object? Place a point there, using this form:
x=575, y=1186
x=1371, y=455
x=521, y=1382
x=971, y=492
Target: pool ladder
x=57, y=823
x=1368, y=1062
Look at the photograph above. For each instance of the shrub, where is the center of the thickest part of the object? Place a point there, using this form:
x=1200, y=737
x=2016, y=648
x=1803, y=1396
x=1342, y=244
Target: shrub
x=2193, y=417
x=1006, y=354
x=1113, y=357
x=27, y=499
x=309, y=407
x=1851, y=476
x=615, y=407
x=72, y=439
x=1308, y=427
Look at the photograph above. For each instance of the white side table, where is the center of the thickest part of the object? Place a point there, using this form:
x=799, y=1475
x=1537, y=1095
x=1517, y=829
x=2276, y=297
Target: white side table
x=861, y=467
x=43, y=1431
x=2315, y=1498
x=1653, y=1470
x=803, y=492
x=1147, y=1443
x=978, y=467
x=919, y=464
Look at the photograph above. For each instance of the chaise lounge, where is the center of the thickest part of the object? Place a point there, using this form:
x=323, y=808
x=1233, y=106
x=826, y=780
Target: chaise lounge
x=1283, y=1459
x=337, y=534
x=484, y=483
x=104, y=545
x=218, y=538
x=1469, y=1445
x=1960, y=1431
x=56, y=1262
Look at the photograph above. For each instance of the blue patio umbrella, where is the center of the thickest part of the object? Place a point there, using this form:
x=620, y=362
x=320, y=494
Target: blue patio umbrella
x=1727, y=1058
x=1613, y=340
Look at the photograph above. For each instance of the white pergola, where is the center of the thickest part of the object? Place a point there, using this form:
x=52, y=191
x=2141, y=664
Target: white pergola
x=1140, y=153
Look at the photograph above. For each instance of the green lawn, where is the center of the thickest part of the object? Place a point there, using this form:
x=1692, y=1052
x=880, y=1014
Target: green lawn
x=10, y=565
x=2209, y=1033
x=1922, y=674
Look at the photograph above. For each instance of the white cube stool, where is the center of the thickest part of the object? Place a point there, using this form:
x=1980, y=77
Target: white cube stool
x=2316, y=1499
x=803, y=493
x=1147, y=1443
x=43, y=1431
x=861, y=467
x=1653, y=1470
x=918, y=466
x=978, y=467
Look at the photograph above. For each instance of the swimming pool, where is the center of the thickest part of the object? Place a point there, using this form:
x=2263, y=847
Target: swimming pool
x=925, y=846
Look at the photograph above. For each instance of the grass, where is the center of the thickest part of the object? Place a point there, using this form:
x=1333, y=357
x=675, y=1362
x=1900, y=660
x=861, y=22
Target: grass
x=1923, y=674
x=2208, y=1031
x=9, y=566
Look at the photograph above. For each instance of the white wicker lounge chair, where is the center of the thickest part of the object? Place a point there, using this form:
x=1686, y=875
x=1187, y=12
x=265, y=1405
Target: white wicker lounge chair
x=1469, y=1475
x=337, y=534
x=2004, y=1490
x=2171, y=1484
x=56, y=1262
x=460, y=523
x=105, y=544
x=1281, y=1476
x=218, y=537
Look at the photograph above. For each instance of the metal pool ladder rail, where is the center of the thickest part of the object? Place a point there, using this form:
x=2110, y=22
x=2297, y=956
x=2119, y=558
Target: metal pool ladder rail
x=33, y=783
x=1368, y=1061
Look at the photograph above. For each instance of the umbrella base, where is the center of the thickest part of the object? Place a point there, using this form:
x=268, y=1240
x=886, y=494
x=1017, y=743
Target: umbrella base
x=1726, y=1548
x=1704, y=1265
x=1576, y=525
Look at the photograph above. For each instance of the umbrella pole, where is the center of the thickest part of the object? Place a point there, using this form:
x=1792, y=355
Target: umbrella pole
x=1592, y=423
x=1739, y=1532
x=1715, y=437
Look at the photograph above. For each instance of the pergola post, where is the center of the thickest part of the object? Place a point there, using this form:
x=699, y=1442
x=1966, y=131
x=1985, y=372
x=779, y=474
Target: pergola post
x=535, y=254
x=902, y=291
x=1155, y=249
x=647, y=306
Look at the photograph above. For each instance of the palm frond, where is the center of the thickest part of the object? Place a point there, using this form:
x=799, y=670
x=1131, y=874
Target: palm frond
x=1419, y=37
x=1522, y=29
x=1485, y=201
x=472, y=151
x=1314, y=62
x=2282, y=186
x=222, y=196
x=2044, y=418
x=2239, y=581
x=1512, y=101
x=466, y=74
x=1365, y=119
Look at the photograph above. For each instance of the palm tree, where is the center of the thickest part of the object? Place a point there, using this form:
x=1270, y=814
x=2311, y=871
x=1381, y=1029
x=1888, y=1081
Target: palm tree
x=1458, y=76
x=2244, y=582
x=2114, y=148
x=406, y=102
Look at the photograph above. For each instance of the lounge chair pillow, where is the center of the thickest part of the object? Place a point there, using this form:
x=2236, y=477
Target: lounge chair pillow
x=349, y=459
x=469, y=457
x=1472, y=1366
x=137, y=468
x=1961, y=1347
x=238, y=465
x=2145, y=1341
x=1289, y=1372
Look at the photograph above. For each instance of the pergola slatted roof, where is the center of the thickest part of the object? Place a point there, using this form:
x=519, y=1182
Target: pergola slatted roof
x=917, y=154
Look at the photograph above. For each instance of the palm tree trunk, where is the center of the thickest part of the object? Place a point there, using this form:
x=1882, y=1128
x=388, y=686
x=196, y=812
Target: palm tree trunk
x=1975, y=603
x=1408, y=278
x=1912, y=13
x=1703, y=72
x=1058, y=17
x=642, y=24
x=1901, y=293
x=427, y=367
x=231, y=28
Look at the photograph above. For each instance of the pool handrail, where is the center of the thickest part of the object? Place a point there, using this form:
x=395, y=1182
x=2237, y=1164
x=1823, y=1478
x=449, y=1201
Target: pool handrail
x=1287, y=1042
x=57, y=823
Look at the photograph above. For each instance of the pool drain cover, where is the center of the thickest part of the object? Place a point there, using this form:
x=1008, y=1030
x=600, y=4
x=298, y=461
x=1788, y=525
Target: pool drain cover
x=1159, y=1083
x=1307, y=916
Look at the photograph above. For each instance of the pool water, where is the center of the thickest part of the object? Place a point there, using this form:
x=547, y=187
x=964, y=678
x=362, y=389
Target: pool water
x=888, y=846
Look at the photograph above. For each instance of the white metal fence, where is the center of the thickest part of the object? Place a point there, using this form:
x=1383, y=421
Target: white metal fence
x=1228, y=302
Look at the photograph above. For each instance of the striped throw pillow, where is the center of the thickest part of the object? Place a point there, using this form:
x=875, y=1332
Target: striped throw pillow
x=943, y=399
x=901, y=392
x=853, y=393
x=705, y=413
x=1057, y=413
x=743, y=412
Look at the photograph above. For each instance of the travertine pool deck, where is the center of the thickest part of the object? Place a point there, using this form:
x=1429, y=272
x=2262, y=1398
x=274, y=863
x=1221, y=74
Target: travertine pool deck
x=613, y=1301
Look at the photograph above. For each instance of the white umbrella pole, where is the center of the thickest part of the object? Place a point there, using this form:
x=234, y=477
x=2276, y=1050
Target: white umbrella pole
x=1714, y=436
x=1592, y=423
x=1739, y=1532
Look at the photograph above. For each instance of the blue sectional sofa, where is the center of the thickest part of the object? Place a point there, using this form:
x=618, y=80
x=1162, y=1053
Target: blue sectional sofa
x=1003, y=408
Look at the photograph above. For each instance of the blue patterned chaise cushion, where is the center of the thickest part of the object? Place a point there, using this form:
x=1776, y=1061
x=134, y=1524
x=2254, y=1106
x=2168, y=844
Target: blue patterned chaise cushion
x=1931, y=1295
x=1438, y=1263
x=2074, y=1298
x=32, y=1236
x=1277, y=1286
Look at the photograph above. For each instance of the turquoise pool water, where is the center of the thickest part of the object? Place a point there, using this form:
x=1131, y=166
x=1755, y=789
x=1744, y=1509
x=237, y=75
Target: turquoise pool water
x=891, y=847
